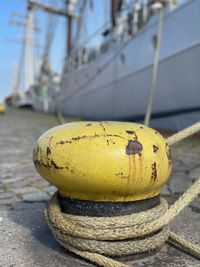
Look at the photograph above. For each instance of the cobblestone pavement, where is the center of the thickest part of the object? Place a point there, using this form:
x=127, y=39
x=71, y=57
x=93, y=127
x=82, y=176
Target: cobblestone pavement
x=19, y=182
x=22, y=190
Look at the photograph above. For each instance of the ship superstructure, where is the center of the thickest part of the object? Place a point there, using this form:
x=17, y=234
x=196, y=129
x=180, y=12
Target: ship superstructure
x=112, y=81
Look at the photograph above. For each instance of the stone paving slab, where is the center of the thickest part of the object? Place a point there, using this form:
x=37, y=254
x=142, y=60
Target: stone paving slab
x=25, y=240
x=34, y=197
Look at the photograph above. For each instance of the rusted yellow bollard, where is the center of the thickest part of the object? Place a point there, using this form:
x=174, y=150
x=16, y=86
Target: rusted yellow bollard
x=109, y=163
x=109, y=176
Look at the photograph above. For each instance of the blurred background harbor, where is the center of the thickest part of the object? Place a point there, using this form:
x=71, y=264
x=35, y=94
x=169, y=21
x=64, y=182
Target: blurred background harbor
x=104, y=60
x=69, y=60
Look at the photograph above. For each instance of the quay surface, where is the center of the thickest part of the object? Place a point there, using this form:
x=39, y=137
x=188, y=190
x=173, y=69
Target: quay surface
x=25, y=239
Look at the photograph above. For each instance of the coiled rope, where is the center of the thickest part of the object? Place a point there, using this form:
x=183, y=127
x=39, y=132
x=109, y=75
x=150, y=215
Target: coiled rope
x=99, y=238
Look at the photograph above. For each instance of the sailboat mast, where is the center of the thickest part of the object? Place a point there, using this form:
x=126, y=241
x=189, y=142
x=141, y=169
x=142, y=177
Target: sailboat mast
x=70, y=5
x=28, y=50
x=80, y=22
x=115, y=8
x=114, y=5
x=69, y=37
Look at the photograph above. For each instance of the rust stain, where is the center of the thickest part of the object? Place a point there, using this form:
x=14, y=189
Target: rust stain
x=134, y=147
x=62, y=142
x=130, y=169
x=130, y=132
x=121, y=175
x=48, y=151
x=48, y=165
x=39, y=163
x=154, y=171
x=133, y=166
x=102, y=126
x=55, y=165
x=78, y=138
x=131, y=173
x=155, y=148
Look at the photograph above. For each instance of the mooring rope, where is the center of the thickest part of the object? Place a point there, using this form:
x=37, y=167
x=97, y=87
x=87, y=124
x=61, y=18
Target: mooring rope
x=99, y=238
x=183, y=134
x=155, y=70
x=60, y=117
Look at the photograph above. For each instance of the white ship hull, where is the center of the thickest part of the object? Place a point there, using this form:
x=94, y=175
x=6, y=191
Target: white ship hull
x=116, y=85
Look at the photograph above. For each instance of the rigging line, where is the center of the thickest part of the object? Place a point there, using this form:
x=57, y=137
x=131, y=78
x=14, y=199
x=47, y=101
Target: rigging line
x=79, y=25
x=92, y=35
x=142, y=31
x=155, y=69
x=60, y=117
x=106, y=24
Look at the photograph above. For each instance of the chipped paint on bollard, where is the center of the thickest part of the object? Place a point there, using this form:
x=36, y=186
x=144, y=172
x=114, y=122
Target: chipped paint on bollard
x=107, y=162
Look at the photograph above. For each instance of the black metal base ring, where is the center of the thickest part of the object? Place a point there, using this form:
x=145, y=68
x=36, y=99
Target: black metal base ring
x=106, y=209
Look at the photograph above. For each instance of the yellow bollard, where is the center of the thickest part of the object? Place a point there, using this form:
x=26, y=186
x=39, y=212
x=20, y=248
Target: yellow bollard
x=2, y=108
x=104, y=162
x=109, y=176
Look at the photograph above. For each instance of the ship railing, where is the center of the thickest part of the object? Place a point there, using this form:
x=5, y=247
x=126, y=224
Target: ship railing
x=133, y=18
